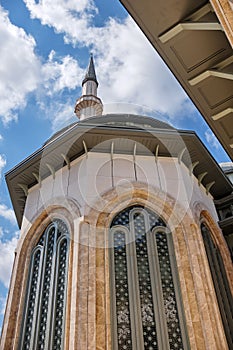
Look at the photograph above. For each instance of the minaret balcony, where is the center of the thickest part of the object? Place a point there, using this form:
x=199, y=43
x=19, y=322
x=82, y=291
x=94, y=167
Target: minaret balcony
x=86, y=101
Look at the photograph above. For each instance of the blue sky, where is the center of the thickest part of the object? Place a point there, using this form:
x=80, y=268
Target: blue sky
x=45, y=47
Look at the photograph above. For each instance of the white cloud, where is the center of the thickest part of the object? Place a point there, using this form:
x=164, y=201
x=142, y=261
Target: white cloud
x=7, y=249
x=212, y=140
x=22, y=72
x=64, y=114
x=7, y=213
x=70, y=17
x=128, y=75
x=2, y=163
x=2, y=305
x=19, y=68
x=59, y=73
x=1, y=137
x=128, y=68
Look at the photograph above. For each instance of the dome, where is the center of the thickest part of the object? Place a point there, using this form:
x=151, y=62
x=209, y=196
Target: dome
x=119, y=120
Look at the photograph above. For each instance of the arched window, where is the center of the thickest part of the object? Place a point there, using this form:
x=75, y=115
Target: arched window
x=146, y=303
x=44, y=313
x=222, y=289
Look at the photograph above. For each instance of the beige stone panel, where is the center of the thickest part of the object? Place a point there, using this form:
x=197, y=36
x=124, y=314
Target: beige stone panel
x=123, y=166
x=72, y=297
x=100, y=280
x=83, y=278
x=170, y=168
x=92, y=280
x=91, y=336
x=61, y=181
x=100, y=337
x=32, y=203
x=100, y=308
x=100, y=256
x=105, y=169
x=91, y=297
x=188, y=291
x=122, y=184
x=197, y=194
x=96, y=187
x=26, y=224
x=77, y=181
x=83, y=254
x=108, y=337
x=82, y=337
x=84, y=236
x=146, y=168
x=46, y=191
x=176, y=189
x=82, y=302
x=102, y=184
x=98, y=163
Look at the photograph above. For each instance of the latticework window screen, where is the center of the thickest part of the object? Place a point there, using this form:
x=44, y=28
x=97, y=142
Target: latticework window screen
x=44, y=314
x=146, y=302
x=222, y=288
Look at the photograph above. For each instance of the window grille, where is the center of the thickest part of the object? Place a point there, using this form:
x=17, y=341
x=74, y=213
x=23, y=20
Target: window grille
x=44, y=314
x=146, y=306
x=222, y=289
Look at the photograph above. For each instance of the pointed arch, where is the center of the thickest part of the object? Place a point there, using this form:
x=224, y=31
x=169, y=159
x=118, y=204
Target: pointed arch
x=146, y=306
x=217, y=256
x=27, y=242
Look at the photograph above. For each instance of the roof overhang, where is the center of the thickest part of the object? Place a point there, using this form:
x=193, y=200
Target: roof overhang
x=90, y=136
x=195, y=39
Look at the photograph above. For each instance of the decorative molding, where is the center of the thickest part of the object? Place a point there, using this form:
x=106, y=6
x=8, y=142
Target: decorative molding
x=66, y=159
x=188, y=26
x=51, y=169
x=210, y=73
x=24, y=188
x=180, y=155
x=222, y=114
x=192, y=167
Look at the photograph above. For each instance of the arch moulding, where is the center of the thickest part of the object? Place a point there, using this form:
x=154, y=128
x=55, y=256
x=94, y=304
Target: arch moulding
x=28, y=238
x=97, y=222
x=220, y=242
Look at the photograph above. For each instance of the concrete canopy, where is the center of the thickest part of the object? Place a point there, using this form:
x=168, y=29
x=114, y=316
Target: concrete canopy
x=195, y=39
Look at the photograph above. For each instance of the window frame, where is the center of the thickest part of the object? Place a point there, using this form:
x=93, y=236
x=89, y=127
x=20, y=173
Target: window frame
x=53, y=287
x=156, y=284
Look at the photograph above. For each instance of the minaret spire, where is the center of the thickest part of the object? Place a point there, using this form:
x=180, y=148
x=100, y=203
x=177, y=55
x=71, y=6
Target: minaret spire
x=89, y=104
x=90, y=74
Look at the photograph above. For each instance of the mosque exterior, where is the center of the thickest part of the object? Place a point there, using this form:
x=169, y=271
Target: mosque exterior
x=120, y=246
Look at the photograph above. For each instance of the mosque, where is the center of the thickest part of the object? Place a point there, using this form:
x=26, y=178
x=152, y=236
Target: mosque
x=120, y=246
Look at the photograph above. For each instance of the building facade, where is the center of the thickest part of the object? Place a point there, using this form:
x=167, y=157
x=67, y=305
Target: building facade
x=120, y=246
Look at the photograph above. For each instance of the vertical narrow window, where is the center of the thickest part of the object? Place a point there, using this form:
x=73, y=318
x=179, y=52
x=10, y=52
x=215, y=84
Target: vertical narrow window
x=144, y=281
x=122, y=294
x=44, y=315
x=144, y=284
x=221, y=285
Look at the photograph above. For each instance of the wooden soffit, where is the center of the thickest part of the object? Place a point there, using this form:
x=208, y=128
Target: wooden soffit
x=195, y=39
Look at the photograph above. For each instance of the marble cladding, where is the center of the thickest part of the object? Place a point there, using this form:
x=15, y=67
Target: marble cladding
x=87, y=195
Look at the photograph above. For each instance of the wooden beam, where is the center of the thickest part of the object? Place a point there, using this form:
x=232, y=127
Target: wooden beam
x=222, y=114
x=210, y=73
x=188, y=26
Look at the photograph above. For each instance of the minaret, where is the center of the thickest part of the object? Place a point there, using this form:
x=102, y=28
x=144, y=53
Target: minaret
x=89, y=104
